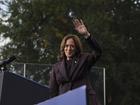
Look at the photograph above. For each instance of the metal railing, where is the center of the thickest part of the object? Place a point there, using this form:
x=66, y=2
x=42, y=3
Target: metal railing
x=40, y=74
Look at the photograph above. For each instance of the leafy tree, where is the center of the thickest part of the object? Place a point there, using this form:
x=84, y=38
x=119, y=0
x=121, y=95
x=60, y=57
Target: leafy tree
x=35, y=28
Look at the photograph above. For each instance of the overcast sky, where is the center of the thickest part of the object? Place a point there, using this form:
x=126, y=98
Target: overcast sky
x=3, y=41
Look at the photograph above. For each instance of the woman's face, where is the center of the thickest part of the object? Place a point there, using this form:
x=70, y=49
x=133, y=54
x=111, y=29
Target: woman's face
x=69, y=48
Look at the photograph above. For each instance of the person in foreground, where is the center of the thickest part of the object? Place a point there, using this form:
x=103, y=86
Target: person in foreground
x=73, y=68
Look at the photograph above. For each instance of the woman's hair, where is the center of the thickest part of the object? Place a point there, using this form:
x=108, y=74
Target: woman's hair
x=78, y=45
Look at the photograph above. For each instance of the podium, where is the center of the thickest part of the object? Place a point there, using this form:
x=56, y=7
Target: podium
x=17, y=90
x=73, y=97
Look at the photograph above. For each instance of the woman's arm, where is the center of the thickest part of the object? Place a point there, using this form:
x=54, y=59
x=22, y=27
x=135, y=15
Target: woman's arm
x=95, y=46
x=82, y=29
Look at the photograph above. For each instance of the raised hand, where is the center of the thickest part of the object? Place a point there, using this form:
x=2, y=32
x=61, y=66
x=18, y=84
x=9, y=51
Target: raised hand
x=80, y=27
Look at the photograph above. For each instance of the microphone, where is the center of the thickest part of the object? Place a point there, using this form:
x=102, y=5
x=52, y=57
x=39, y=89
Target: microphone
x=7, y=61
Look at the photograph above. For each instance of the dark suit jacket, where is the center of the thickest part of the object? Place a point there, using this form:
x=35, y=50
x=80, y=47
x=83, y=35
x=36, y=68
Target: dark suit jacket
x=61, y=82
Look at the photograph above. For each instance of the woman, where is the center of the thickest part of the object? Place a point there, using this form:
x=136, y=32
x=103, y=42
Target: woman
x=72, y=71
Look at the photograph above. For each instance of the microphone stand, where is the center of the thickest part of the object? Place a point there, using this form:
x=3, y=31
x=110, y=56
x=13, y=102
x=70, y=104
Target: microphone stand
x=6, y=62
x=3, y=68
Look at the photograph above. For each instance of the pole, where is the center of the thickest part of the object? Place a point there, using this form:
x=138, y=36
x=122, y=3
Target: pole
x=104, y=87
x=24, y=74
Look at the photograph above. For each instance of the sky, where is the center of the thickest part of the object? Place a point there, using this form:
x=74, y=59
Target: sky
x=3, y=41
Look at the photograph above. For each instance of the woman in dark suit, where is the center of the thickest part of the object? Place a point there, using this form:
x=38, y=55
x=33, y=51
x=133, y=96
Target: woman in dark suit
x=72, y=71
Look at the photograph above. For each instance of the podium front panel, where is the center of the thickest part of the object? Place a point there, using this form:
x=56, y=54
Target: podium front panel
x=17, y=90
x=73, y=97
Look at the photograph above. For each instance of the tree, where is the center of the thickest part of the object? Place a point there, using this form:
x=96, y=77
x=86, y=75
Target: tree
x=35, y=28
